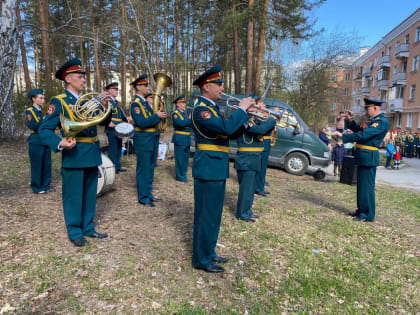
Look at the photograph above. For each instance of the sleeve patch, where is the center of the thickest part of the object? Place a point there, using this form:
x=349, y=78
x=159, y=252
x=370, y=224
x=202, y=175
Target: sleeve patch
x=205, y=114
x=29, y=117
x=50, y=109
x=175, y=116
x=375, y=124
x=137, y=110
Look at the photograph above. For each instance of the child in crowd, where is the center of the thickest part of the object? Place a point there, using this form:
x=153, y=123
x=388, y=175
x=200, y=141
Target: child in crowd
x=390, y=151
x=337, y=157
x=397, y=158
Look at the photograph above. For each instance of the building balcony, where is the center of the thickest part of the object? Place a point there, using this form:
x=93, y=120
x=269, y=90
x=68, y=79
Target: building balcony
x=366, y=72
x=357, y=91
x=366, y=90
x=385, y=61
x=356, y=109
x=399, y=78
x=383, y=85
x=396, y=105
x=402, y=51
x=357, y=76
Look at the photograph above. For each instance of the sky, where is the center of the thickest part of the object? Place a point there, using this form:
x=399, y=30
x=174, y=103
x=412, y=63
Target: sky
x=370, y=19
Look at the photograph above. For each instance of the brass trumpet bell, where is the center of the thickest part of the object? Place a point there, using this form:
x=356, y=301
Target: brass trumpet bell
x=87, y=112
x=162, y=81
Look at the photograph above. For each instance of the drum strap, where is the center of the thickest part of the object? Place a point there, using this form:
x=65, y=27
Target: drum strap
x=87, y=139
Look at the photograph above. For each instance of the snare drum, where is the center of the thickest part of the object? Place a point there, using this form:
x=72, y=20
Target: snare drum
x=124, y=130
x=106, y=175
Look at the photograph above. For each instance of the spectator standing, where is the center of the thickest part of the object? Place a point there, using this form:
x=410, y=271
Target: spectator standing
x=337, y=157
x=397, y=158
x=390, y=151
x=324, y=138
x=340, y=121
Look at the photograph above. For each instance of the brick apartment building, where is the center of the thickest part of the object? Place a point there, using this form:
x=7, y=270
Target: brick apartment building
x=388, y=71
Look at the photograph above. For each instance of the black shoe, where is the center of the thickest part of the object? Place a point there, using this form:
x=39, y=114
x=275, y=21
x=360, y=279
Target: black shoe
x=80, y=242
x=254, y=216
x=122, y=170
x=220, y=259
x=359, y=219
x=212, y=268
x=150, y=204
x=354, y=214
x=182, y=180
x=98, y=235
x=155, y=199
x=266, y=192
x=247, y=220
x=261, y=193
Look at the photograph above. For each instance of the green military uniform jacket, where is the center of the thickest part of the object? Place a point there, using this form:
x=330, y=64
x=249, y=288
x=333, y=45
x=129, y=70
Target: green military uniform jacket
x=87, y=152
x=251, y=145
x=211, y=160
x=33, y=121
x=368, y=139
x=182, y=128
x=145, y=121
x=117, y=115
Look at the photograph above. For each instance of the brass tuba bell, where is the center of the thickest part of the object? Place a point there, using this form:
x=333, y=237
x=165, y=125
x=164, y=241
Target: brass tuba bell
x=162, y=82
x=87, y=112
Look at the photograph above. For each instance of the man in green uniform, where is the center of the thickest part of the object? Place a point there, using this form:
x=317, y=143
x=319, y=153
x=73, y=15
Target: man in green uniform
x=417, y=145
x=368, y=138
x=248, y=162
x=211, y=166
x=39, y=154
x=261, y=174
x=117, y=117
x=181, y=138
x=144, y=140
x=81, y=157
x=155, y=153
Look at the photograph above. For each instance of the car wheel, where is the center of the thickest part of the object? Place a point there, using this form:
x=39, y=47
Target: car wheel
x=296, y=163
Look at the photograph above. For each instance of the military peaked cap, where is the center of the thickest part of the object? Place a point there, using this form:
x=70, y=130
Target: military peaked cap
x=72, y=66
x=212, y=75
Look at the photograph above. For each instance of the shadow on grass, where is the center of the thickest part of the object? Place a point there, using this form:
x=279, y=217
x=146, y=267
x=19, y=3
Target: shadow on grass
x=316, y=200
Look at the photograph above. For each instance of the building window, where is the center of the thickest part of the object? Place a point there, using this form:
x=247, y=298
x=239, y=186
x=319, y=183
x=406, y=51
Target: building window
x=399, y=119
x=347, y=76
x=407, y=38
x=418, y=34
x=400, y=92
x=373, y=81
x=415, y=63
x=346, y=91
x=346, y=107
x=412, y=92
x=334, y=78
x=370, y=65
x=389, y=50
x=404, y=66
x=409, y=120
x=333, y=106
x=376, y=61
x=395, y=70
x=418, y=121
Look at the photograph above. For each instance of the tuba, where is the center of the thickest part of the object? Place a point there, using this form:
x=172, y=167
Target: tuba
x=87, y=112
x=162, y=82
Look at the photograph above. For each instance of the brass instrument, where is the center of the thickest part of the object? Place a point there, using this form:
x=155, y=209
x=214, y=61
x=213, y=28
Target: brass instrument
x=410, y=138
x=230, y=97
x=162, y=82
x=88, y=111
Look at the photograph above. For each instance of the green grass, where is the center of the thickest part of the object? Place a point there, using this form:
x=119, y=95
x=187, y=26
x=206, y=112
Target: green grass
x=303, y=255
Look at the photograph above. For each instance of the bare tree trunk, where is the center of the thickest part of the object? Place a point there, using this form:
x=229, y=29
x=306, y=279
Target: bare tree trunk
x=250, y=52
x=9, y=47
x=95, y=48
x=23, y=55
x=236, y=65
x=261, y=43
x=124, y=40
x=43, y=21
x=37, y=72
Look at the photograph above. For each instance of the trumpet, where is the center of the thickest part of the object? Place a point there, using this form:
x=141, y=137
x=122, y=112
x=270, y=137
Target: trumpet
x=230, y=98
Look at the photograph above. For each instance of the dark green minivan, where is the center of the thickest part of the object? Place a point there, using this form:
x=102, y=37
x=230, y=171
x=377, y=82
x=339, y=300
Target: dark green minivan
x=296, y=147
